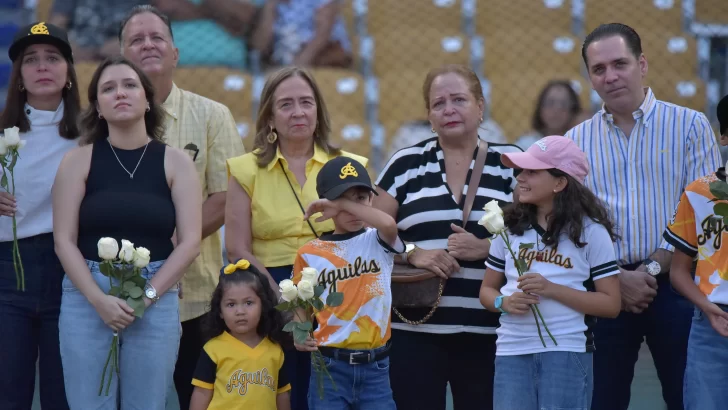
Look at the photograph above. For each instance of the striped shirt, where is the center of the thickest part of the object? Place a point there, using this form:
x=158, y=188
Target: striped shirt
x=415, y=177
x=640, y=178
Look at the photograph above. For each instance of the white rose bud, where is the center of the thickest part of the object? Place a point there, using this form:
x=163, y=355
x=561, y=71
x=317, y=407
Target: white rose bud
x=3, y=147
x=310, y=274
x=127, y=251
x=21, y=144
x=108, y=248
x=289, y=291
x=141, y=257
x=305, y=289
x=12, y=137
x=493, y=223
x=492, y=207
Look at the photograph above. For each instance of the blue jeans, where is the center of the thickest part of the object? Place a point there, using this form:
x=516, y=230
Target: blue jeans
x=358, y=386
x=665, y=325
x=543, y=381
x=298, y=364
x=29, y=322
x=706, y=374
x=147, y=349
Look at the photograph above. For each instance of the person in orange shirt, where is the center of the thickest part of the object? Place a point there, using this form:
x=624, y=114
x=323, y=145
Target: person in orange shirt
x=696, y=234
x=356, y=260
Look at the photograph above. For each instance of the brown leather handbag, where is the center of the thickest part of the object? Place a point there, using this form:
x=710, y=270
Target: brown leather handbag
x=417, y=288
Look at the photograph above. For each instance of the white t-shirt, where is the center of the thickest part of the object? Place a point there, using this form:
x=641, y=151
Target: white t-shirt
x=567, y=265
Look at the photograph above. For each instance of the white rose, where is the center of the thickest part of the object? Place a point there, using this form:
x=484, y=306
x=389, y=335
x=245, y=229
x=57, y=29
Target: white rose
x=310, y=274
x=108, y=248
x=492, y=207
x=289, y=291
x=493, y=223
x=3, y=147
x=21, y=144
x=305, y=289
x=127, y=251
x=141, y=257
x=12, y=137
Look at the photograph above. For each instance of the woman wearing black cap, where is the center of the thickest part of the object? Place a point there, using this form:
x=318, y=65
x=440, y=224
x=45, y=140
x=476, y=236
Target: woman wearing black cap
x=43, y=102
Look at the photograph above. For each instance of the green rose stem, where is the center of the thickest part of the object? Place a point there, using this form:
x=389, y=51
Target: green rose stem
x=318, y=357
x=17, y=261
x=534, y=309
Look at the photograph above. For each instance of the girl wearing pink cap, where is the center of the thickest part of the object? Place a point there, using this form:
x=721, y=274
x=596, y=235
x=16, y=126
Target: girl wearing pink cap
x=571, y=269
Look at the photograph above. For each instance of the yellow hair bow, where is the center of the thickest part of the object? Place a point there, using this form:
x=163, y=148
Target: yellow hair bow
x=241, y=264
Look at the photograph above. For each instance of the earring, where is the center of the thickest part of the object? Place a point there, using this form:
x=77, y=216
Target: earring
x=69, y=85
x=148, y=107
x=272, y=136
x=21, y=87
x=433, y=130
x=101, y=116
x=481, y=118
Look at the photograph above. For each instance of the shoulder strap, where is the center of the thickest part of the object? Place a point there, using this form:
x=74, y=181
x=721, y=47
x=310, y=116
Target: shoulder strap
x=300, y=205
x=474, y=181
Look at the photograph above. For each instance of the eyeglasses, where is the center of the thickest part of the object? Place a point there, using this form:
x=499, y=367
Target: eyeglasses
x=193, y=148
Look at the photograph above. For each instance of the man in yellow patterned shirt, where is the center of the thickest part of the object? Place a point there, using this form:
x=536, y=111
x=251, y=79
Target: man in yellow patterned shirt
x=206, y=130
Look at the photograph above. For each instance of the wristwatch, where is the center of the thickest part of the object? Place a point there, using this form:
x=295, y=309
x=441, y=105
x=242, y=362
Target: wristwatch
x=499, y=304
x=408, y=250
x=151, y=293
x=653, y=267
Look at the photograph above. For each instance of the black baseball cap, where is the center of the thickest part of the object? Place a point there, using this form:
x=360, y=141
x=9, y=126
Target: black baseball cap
x=339, y=175
x=723, y=116
x=40, y=33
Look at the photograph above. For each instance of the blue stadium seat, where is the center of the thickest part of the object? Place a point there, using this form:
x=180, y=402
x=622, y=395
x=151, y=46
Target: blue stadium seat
x=7, y=31
x=5, y=69
x=11, y=4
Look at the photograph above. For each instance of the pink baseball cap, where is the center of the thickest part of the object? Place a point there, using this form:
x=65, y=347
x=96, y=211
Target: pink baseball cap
x=550, y=152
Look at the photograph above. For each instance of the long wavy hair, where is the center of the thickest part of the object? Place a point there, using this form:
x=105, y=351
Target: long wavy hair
x=271, y=320
x=571, y=206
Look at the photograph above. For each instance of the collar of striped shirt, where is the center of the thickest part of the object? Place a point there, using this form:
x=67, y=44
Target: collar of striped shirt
x=641, y=176
x=645, y=110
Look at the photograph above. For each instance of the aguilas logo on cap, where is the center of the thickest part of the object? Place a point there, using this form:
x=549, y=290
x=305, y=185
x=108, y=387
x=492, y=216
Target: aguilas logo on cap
x=348, y=170
x=39, y=28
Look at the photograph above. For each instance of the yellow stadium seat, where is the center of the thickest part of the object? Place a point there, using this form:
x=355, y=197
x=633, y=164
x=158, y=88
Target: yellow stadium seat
x=43, y=9
x=521, y=18
x=670, y=53
x=400, y=98
x=393, y=15
x=505, y=52
x=400, y=49
x=711, y=11
x=686, y=91
x=343, y=92
x=641, y=15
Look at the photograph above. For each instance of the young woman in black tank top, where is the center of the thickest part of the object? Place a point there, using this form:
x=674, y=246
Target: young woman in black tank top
x=125, y=184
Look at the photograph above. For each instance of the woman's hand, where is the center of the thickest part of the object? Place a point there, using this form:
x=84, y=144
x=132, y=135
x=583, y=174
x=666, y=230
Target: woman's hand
x=519, y=303
x=114, y=312
x=535, y=283
x=8, y=206
x=437, y=261
x=309, y=346
x=465, y=246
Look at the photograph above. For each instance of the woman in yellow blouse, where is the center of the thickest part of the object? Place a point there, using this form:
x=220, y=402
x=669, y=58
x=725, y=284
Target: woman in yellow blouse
x=269, y=186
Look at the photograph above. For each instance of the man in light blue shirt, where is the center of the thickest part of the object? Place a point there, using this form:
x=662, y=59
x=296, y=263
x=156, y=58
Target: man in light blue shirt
x=643, y=152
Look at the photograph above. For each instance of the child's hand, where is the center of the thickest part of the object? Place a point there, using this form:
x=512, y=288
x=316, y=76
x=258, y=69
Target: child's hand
x=329, y=209
x=718, y=319
x=519, y=303
x=535, y=283
x=309, y=346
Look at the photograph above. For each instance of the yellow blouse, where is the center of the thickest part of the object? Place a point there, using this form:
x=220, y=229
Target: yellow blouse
x=277, y=225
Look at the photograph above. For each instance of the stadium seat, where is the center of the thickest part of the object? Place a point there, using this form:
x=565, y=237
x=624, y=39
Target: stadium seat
x=508, y=51
x=711, y=11
x=670, y=53
x=545, y=17
x=11, y=4
x=7, y=32
x=391, y=16
x=688, y=92
x=400, y=98
x=641, y=15
x=402, y=48
x=43, y=9
x=343, y=92
x=5, y=69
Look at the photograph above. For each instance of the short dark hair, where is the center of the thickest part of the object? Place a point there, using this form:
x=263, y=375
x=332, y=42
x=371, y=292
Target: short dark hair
x=14, y=113
x=629, y=35
x=145, y=8
x=96, y=129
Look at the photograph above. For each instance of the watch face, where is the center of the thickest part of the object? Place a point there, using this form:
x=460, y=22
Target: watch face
x=150, y=293
x=409, y=247
x=653, y=268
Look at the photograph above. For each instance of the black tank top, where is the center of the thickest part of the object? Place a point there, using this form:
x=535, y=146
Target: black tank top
x=139, y=209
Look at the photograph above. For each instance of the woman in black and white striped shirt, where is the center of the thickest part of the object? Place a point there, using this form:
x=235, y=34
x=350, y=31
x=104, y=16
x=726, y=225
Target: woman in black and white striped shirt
x=423, y=187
